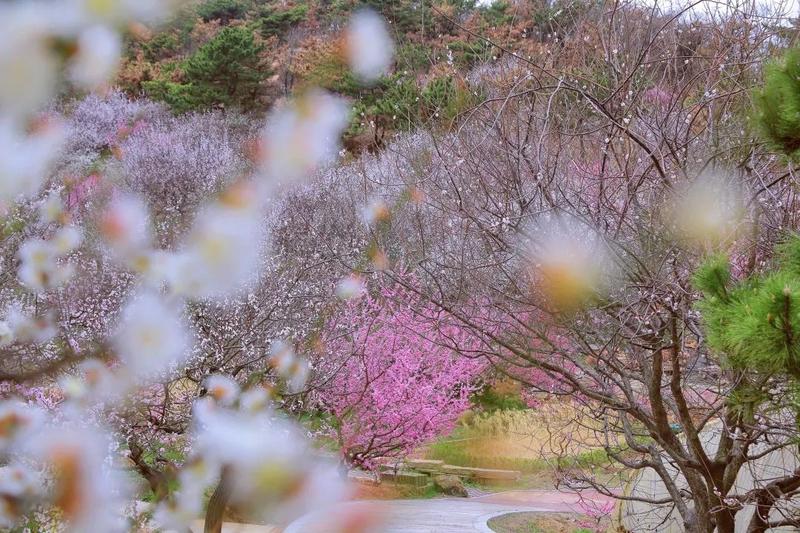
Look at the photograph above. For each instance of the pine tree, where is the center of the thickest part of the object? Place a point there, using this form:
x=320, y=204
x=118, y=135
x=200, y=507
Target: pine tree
x=224, y=72
x=777, y=103
x=755, y=323
x=227, y=69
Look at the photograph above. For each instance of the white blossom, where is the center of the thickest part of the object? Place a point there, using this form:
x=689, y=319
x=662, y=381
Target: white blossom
x=6, y=334
x=97, y=57
x=25, y=159
x=90, y=494
x=39, y=268
x=350, y=287
x=265, y=457
x=223, y=389
x=125, y=224
x=17, y=422
x=301, y=137
x=29, y=68
x=52, y=209
x=222, y=255
x=369, y=45
x=152, y=337
x=67, y=239
x=376, y=210
x=27, y=328
x=19, y=484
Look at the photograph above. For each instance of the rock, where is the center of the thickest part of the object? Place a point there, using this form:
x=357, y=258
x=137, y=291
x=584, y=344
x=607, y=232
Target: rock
x=451, y=485
x=484, y=474
x=425, y=465
x=406, y=477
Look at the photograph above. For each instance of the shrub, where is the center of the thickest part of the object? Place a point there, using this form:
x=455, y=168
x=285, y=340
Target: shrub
x=469, y=53
x=413, y=57
x=222, y=10
x=277, y=21
x=496, y=14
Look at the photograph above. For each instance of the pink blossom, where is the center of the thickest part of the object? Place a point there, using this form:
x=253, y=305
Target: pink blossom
x=391, y=377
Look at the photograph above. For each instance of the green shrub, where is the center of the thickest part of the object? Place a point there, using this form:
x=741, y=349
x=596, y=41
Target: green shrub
x=162, y=45
x=444, y=98
x=180, y=97
x=489, y=400
x=496, y=14
x=400, y=104
x=222, y=10
x=277, y=21
x=413, y=57
x=332, y=73
x=467, y=54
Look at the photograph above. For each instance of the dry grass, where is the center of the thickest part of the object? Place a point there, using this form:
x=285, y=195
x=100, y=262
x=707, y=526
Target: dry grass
x=527, y=440
x=538, y=523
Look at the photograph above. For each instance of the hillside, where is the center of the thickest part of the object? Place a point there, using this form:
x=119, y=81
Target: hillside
x=249, y=54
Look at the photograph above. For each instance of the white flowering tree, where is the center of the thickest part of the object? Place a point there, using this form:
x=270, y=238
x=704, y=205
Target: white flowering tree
x=145, y=266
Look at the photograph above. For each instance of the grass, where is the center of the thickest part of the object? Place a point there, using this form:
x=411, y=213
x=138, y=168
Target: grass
x=538, y=523
x=392, y=491
x=454, y=452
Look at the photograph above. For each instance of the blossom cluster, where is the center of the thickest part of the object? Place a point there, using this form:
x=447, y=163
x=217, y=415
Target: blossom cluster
x=394, y=377
x=63, y=456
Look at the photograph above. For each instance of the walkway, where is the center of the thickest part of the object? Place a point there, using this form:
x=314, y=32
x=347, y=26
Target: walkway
x=438, y=515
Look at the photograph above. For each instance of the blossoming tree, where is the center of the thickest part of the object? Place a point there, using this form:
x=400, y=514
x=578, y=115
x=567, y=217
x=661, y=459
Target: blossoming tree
x=103, y=291
x=391, y=378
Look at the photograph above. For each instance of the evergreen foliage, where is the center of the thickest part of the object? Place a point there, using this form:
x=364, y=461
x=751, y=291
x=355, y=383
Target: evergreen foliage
x=222, y=10
x=755, y=322
x=277, y=21
x=777, y=104
x=226, y=71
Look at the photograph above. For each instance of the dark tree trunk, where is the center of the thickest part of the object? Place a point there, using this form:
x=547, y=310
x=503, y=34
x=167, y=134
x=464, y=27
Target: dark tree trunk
x=215, y=511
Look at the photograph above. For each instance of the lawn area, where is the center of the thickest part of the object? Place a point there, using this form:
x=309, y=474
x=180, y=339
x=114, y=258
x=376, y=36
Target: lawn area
x=540, y=523
x=527, y=440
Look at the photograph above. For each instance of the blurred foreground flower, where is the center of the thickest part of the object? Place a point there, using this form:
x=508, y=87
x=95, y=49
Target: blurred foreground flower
x=19, y=487
x=271, y=471
x=570, y=261
x=350, y=287
x=369, y=45
x=290, y=367
x=26, y=158
x=97, y=58
x=89, y=492
x=41, y=261
x=28, y=328
x=710, y=210
x=222, y=254
x=301, y=137
x=152, y=337
x=125, y=224
x=17, y=421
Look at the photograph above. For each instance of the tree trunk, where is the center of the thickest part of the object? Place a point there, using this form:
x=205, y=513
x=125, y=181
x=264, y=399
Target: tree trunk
x=217, y=504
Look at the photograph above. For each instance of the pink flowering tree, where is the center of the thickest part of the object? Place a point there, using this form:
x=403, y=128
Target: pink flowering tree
x=391, y=377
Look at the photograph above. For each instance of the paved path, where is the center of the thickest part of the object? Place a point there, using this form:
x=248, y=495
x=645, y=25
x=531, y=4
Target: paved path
x=439, y=515
x=230, y=527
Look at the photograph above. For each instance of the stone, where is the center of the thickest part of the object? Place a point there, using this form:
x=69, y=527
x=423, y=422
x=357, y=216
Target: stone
x=482, y=473
x=425, y=465
x=406, y=477
x=450, y=485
